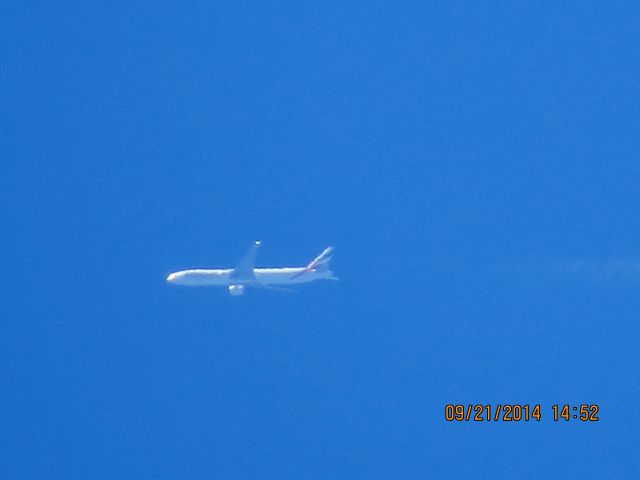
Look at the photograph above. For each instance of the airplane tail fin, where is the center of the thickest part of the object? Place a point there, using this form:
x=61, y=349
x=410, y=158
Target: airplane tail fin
x=320, y=264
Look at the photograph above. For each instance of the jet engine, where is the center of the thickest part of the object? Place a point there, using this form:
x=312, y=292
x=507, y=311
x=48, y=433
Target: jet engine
x=236, y=290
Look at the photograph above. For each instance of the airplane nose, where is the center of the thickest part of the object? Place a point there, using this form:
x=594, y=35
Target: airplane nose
x=171, y=277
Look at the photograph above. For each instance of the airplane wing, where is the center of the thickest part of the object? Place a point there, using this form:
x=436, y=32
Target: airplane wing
x=244, y=269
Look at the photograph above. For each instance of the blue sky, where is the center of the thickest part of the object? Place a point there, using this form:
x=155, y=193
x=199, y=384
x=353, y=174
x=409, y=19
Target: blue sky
x=475, y=166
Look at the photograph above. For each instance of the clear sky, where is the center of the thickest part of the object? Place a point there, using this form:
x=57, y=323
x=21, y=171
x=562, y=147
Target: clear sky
x=475, y=165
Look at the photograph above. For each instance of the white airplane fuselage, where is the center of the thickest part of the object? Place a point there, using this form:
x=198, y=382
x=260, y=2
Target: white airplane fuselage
x=201, y=277
x=246, y=275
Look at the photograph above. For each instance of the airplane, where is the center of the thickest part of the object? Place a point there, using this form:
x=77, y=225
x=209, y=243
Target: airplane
x=246, y=275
